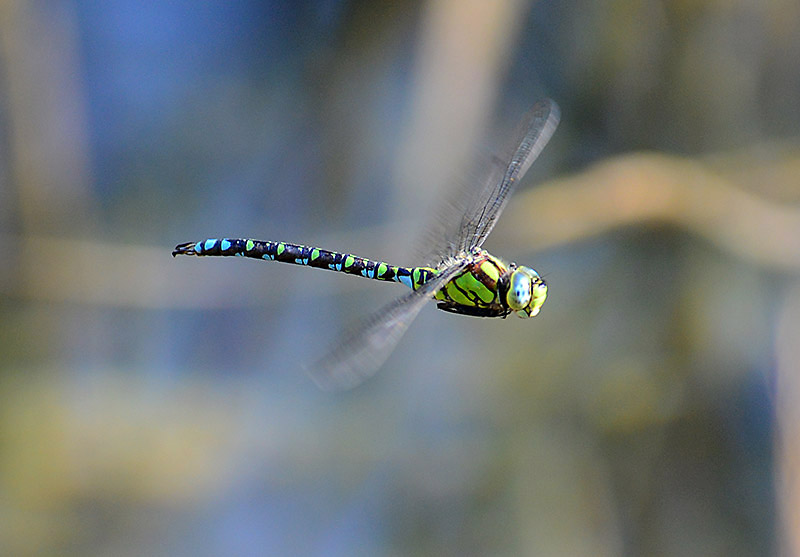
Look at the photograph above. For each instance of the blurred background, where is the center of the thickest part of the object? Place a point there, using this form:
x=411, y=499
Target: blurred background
x=158, y=406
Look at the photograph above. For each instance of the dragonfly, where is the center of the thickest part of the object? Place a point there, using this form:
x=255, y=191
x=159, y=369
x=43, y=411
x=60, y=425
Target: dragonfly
x=464, y=279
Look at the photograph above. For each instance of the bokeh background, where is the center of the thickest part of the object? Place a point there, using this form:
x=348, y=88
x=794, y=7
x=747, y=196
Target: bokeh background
x=157, y=406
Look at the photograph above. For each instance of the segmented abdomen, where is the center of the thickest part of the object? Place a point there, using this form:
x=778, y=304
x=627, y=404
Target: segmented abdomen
x=313, y=257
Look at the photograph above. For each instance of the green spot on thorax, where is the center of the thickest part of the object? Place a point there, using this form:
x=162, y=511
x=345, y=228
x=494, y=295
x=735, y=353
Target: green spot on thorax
x=491, y=270
x=249, y=245
x=281, y=248
x=468, y=282
x=456, y=295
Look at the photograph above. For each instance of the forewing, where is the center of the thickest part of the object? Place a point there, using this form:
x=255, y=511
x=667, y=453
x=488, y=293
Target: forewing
x=533, y=133
x=366, y=348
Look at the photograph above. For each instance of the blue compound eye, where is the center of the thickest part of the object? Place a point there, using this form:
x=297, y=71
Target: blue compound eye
x=527, y=291
x=519, y=290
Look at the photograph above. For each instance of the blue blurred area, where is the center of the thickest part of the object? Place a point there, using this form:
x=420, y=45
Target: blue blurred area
x=155, y=77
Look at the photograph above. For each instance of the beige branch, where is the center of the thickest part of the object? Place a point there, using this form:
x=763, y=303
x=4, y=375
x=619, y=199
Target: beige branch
x=648, y=188
x=626, y=191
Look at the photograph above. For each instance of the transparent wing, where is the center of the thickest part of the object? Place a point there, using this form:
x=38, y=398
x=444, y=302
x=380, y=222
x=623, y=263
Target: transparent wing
x=471, y=220
x=366, y=348
x=532, y=135
x=468, y=221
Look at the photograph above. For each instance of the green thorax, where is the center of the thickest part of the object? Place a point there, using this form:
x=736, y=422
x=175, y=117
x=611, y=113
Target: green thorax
x=489, y=287
x=476, y=289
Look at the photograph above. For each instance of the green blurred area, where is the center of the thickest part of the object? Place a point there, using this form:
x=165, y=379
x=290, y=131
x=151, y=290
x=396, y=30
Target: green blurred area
x=158, y=406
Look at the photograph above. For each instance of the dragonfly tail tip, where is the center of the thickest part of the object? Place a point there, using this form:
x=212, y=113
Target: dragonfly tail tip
x=184, y=249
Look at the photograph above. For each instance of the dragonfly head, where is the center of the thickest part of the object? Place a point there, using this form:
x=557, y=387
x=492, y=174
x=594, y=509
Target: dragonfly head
x=526, y=293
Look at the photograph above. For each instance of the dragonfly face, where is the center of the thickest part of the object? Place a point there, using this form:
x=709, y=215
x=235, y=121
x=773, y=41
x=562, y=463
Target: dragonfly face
x=527, y=292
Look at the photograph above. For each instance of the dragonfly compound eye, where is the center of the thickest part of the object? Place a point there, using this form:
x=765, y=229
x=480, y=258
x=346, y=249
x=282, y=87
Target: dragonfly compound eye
x=527, y=292
x=519, y=290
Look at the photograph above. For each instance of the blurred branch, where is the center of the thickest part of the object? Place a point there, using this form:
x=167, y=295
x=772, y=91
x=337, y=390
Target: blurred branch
x=45, y=112
x=452, y=97
x=92, y=272
x=657, y=188
x=787, y=444
x=55, y=269
x=633, y=189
